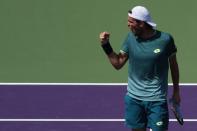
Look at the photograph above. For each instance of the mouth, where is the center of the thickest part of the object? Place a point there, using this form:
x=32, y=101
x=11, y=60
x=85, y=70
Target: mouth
x=130, y=27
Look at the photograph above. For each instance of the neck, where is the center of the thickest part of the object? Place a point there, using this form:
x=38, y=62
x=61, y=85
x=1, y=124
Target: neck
x=147, y=34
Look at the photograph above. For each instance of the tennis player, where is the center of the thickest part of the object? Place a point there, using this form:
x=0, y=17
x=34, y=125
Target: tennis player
x=150, y=53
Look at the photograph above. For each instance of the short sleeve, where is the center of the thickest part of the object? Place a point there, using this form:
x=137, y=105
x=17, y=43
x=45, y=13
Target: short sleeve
x=125, y=47
x=171, y=47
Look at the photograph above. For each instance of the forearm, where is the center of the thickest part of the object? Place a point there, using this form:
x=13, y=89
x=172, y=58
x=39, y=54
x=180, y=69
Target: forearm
x=117, y=60
x=175, y=78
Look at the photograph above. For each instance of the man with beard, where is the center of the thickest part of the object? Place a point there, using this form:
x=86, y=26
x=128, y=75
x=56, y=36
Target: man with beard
x=149, y=52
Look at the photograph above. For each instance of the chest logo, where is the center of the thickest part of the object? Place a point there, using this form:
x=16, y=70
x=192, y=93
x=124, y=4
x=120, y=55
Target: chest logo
x=157, y=51
x=160, y=123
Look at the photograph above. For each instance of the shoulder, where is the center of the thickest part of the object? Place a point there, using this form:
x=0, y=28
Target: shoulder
x=169, y=42
x=167, y=36
x=130, y=35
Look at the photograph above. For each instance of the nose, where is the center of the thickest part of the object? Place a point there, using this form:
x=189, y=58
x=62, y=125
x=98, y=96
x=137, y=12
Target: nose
x=128, y=24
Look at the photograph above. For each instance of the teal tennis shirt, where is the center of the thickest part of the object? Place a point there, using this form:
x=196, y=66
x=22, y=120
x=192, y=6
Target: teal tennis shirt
x=148, y=65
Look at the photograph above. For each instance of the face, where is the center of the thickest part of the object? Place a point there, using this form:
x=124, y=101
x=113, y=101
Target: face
x=135, y=26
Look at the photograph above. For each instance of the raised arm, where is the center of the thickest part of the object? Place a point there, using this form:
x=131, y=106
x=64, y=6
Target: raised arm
x=117, y=60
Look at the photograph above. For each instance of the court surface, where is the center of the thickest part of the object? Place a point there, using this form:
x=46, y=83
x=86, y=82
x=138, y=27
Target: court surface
x=77, y=107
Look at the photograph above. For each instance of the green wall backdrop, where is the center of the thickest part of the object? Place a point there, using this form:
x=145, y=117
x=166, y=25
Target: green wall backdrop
x=57, y=40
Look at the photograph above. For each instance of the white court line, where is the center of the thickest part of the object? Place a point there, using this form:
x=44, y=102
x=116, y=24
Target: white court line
x=81, y=120
x=78, y=120
x=113, y=84
x=99, y=84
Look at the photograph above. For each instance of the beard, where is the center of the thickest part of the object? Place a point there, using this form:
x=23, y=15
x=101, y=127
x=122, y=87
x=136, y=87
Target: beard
x=136, y=32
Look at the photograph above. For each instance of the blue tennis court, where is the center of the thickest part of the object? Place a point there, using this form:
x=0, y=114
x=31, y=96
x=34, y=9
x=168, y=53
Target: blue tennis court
x=77, y=106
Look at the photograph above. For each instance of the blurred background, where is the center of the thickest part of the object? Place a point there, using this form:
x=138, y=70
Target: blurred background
x=57, y=40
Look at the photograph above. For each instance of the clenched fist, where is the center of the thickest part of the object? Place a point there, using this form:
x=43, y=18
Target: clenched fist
x=104, y=37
